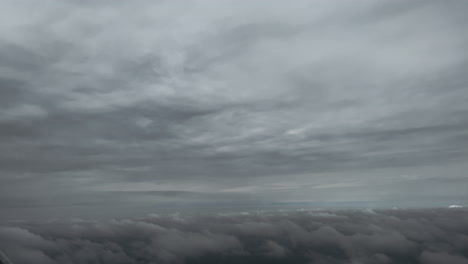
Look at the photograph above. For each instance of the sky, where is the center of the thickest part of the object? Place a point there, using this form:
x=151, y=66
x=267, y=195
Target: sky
x=130, y=107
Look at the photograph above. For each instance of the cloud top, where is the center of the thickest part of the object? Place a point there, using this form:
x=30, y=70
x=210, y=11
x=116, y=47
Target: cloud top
x=383, y=236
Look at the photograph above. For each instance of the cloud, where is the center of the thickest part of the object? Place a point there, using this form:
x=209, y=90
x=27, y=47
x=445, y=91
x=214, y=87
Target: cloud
x=434, y=258
x=117, y=92
x=386, y=236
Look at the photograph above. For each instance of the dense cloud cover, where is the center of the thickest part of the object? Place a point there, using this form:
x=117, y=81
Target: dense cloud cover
x=429, y=236
x=169, y=101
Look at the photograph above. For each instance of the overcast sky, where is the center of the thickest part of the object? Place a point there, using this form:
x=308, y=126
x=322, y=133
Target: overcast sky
x=116, y=105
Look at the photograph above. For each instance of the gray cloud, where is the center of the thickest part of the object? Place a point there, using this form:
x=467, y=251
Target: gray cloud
x=382, y=236
x=228, y=95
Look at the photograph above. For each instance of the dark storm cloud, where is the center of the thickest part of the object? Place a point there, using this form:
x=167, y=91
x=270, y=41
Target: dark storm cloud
x=391, y=236
x=214, y=96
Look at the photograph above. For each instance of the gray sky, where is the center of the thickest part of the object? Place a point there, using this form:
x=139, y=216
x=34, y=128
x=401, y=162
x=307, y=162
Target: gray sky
x=111, y=105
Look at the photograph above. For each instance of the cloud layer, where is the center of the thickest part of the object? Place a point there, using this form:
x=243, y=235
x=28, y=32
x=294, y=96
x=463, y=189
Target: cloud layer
x=392, y=236
x=216, y=97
